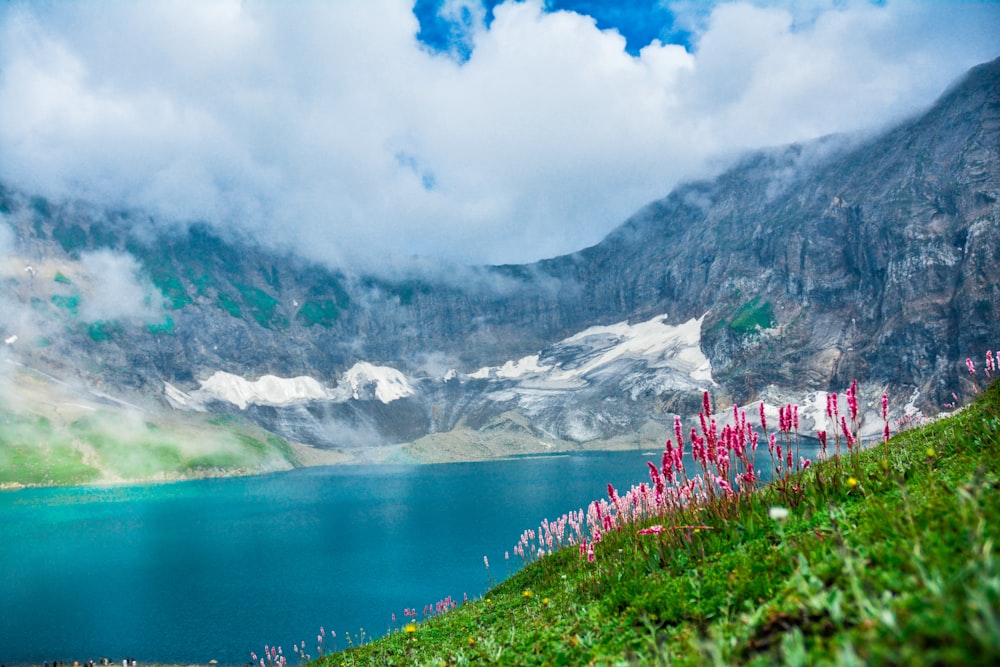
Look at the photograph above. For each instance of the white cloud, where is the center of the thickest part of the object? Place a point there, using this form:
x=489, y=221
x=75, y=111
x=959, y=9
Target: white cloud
x=6, y=238
x=327, y=126
x=114, y=289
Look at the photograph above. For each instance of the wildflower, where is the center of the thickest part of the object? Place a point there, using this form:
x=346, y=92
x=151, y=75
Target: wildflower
x=972, y=369
x=652, y=530
x=778, y=513
x=528, y=594
x=545, y=602
x=763, y=419
x=885, y=406
x=410, y=628
x=851, y=482
x=852, y=400
x=486, y=562
x=847, y=433
x=930, y=453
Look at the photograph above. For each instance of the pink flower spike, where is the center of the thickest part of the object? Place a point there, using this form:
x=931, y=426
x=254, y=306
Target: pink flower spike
x=652, y=530
x=706, y=404
x=972, y=369
x=763, y=419
x=885, y=406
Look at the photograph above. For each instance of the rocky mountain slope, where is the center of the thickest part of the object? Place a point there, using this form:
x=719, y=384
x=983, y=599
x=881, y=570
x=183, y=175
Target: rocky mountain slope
x=796, y=270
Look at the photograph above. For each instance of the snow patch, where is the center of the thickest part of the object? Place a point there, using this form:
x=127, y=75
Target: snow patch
x=521, y=367
x=637, y=358
x=389, y=384
x=363, y=381
x=268, y=390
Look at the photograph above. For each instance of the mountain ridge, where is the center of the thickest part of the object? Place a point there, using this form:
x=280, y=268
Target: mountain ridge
x=806, y=266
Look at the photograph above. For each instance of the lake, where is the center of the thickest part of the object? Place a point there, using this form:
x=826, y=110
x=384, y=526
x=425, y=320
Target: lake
x=213, y=569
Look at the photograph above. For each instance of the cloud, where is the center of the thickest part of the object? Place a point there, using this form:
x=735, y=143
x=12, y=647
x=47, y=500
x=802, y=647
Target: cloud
x=115, y=291
x=6, y=238
x=328, y=127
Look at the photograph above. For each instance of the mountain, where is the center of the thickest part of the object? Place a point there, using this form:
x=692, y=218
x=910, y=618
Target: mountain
x=797, y=270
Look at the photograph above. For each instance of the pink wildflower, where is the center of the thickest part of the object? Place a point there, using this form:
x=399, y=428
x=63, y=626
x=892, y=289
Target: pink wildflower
x=847, y=433
x=971, y=367
x=763, y=418
x=852, y=400
x=652, y=530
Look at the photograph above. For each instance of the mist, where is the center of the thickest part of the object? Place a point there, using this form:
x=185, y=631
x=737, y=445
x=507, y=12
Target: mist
x=330, y=129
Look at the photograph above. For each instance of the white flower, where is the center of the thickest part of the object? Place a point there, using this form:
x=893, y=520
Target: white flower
x=778, y=513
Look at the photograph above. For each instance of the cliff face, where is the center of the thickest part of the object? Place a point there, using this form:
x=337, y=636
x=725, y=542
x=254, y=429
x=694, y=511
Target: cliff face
x=878, y=260
x=803, y=267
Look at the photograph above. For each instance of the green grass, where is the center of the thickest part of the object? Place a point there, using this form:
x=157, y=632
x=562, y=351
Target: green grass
x=102, y=331
x=167, y=326
x=886, y=558
x=68, y=303
x=262, y=306
x=752, y=316
x=323, y=312
x=24, y=461
x=37, y=450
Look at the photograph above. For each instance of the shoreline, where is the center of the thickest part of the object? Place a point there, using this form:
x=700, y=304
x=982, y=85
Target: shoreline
x=424, y=452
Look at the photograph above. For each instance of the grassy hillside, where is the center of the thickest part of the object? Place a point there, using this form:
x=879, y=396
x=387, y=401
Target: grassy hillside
x=876, y=556
x=53, y=434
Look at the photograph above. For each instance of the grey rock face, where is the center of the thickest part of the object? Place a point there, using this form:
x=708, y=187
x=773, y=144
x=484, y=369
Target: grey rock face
x=809, y=265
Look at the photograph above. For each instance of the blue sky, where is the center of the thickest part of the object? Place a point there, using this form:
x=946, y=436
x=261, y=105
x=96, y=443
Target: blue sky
x=638, y=21
x=459, y=131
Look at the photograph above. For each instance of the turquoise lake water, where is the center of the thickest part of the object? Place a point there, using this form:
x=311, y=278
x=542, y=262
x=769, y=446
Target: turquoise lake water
x=214, y=569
